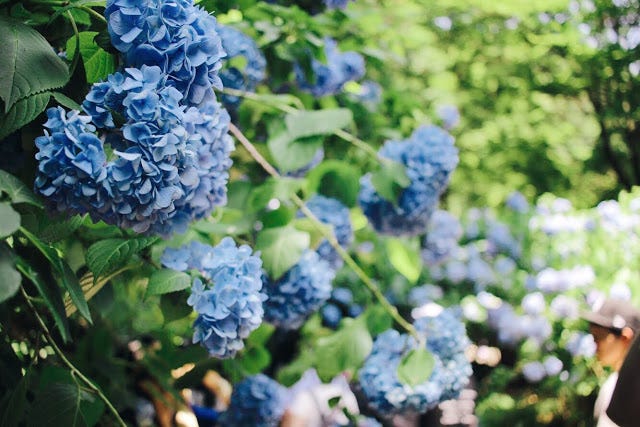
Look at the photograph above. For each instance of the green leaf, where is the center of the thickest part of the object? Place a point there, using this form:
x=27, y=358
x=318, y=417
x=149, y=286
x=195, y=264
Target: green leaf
x=290, y=154
x=316, y=231
x=9, y=278
x=9, y=220
x=416, y=367
x=65, y=101
x=321, y=122
x=344, y=350
x=23, y=112
x=166, y=280
x=61, y=404
x=108, y=255
x=63, y=273
x=404, y=258
x=56, y=228
x=281, y=249
x=390, y=180
x=29, y=64
x=98, y=63
x=254, y=360
x=337, y=179
x=282, y=188
x=378, y=319
x=50, y=293
x=16, y=190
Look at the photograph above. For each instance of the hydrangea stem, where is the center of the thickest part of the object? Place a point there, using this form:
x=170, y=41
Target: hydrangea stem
x=74, y=371
x=390, y=308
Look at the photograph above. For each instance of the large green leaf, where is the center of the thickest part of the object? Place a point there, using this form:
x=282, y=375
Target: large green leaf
x=29, y=64
x=62, y=404
x=16, y=190
x=9, y=220
x=9, y=277
x=290, y=154
x=344, y=350
x=98, y=63
x=320, y=122
x=336, y=179
x=405, y=258
x=281, y=249
x=416, y=367
x=390, y=180
x=166, y=280
x=108, y=255
x=57, y=228
x=23, y=112
x=62, y=272
x=50, y=294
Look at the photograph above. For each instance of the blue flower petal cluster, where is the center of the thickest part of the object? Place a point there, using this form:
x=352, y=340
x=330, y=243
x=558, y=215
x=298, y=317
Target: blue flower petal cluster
x=446, y=339
x=238, y=44
x=230, y=301
x=341, y=67
x=429, y=157
x=300, y=292
x=174, y=35
x=170, y=161
x=443, y=233
x=70, y=162
x=256, y=401
x=331, y=211
x=449, y=115
x=166, y=132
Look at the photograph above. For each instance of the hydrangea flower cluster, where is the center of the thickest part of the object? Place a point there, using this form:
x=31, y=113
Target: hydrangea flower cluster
x=256, y=401
x=339, y=305
x=429, y=157
x=174, y=35
x=170, y=143
x=237, y=44
x=336, y=4
x=581, y=344
x=449, y=115
x=513, y=327
x=370, y=94
x=341, y=67
x=229, y=306
x=299, y=292
x=551, y=280
x=536, y=371
x=443, y=233
x=378, y=376
x=332, y=212
x=517, y=202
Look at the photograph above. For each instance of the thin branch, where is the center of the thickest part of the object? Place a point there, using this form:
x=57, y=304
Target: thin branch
x=390, y=308
x=74, y=371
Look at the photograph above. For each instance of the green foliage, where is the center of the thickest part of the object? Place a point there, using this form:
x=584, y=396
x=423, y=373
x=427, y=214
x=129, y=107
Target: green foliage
x=416, y=367
x=390, y=180
x=107, y=255
x=405, y=257
x=343, y=351
x=16, y=190
x=66, y=405
x=98, y=64
x=29, y=65
x=9, y=220
x=281, y=248
x=165, y=281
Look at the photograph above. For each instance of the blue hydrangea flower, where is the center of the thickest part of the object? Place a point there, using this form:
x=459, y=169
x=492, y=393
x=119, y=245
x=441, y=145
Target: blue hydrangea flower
x=533, y=303
x=429, y=157
x=169, y=164
x=379, y=379
x=300, y=292
x=71, y=163
x=443, y=233
x=370, y=94
x=565, y=307
x=446, y=340
x=229, y=302
x=331, y=211
x=449, y=115
x=341, y=68
x=581, y=344
x=446, y=334
x=552, y=365
x=256, y=401
x=174, y=35
x=517, y=202
x=238, y=44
